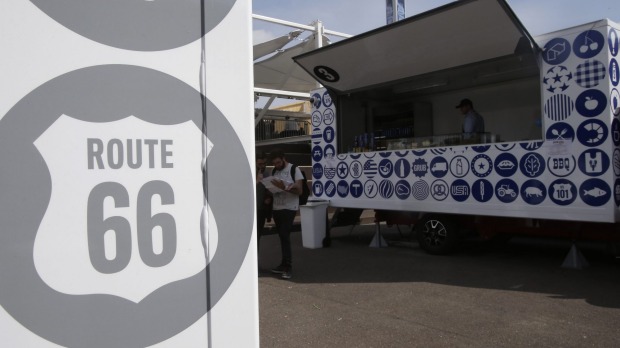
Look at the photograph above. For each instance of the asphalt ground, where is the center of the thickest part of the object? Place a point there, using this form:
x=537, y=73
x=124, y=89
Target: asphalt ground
x=514, y=294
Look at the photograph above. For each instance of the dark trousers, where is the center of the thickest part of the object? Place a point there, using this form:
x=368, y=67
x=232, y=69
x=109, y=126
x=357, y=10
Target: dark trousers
x=284, y=223
x=261, y=216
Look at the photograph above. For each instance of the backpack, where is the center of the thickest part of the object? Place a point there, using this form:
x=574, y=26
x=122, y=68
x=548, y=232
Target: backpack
x=305, y=191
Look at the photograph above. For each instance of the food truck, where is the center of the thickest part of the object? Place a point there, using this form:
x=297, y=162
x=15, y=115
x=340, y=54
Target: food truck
x=386, y=134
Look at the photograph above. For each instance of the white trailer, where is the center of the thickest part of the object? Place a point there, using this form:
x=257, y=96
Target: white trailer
x=386, y=134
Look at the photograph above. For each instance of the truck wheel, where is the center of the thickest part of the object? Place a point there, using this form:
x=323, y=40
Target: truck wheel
x=437, y=234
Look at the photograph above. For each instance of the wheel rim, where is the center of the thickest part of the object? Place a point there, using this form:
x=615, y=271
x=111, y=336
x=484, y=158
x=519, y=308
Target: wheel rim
x=435, y=233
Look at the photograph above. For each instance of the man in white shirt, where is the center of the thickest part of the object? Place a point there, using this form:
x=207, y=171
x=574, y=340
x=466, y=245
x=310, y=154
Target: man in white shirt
x=285, y=206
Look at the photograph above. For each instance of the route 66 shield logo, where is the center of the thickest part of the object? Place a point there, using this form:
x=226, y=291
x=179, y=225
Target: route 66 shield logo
x=103, y=208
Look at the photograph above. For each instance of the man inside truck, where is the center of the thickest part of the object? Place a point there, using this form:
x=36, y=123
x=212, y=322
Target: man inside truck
x=473, y=123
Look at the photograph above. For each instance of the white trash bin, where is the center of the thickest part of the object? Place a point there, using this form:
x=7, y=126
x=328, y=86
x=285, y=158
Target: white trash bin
x=313, y=218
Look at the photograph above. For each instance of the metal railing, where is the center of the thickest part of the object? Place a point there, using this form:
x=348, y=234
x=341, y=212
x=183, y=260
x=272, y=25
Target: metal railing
x=269, y=129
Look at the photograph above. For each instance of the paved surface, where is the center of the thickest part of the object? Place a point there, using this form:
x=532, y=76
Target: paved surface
x=509, y=295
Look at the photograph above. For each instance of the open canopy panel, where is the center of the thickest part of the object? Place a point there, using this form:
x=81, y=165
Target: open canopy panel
x=454, y=35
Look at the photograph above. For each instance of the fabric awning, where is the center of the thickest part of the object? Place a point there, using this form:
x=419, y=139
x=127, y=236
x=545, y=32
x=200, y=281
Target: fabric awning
x=271, y=46
x=453, y=35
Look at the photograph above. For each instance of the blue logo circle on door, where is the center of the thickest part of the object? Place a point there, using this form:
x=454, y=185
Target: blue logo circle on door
x=439, y=190
x=482, y=190
x=439, y=167
x=402, y=189
x=329, y=134
x=330, y=188
x=317, y=154
x=561, y=165
x=617, y=192
x=386, y=168
x=559, y=107
x=327, y=99
x=459, y=166
x=588, y=44
x=459, y=190
x=506, y=190
x=532, y=164
x=356, y=169
x=371, y=188
x=614, y=102
x=557, y=79
x=342, y=170
x=328, y=117
x=556, y=51
x=481, y=165
x=593, y=162
x=386, y=188
x=612, y=41
x=330, y=151
x=595, y=192
x=342, y=188
x=506, y=164
x=614, y=72
x=592, y=132
x=615, y=131
x=590, y=73
x=317, y=188
x=317, y=118
x=562, y=192
x=591, y=103
x=317, y=171
x=420, y=190
x=317, y=135
x=402, y=168
x=533, y=192
x=356, y=188
x=560, y=131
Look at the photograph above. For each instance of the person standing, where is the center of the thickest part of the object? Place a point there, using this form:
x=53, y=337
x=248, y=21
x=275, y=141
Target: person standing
x=263, y=197
x=473, y=123
x=285, y=206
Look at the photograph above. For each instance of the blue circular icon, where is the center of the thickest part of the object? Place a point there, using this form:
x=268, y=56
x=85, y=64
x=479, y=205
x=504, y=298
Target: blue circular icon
x=561, y=165
x=560, y=131
x=386, y=188
x=420, y=190
x=419, y=153
x=371, y=188
x=614, y=71
x=531, y=145
x=588, y=44
x=505, y=147
x=402, y=168
x=591, y=103
x=317, y=171
x=506, y=164
x=342, y=188
x=330, y=188
x=592, y=133
x=317, y=188
x=459, y=190
x=330, y=151
x=356, y=188
x=342, y=156
x=482, y=190
x=316, y=100
x=329, y=134
x=369, y=154
x=317, y=118
x=590, y=73
x=506, y=190
x=370, y=168
x=317, y=135
x=612, y=41
x=617, y=192
x=481, y=165
x=556, y=51
x=317, y=154
x=533, y=192
x=356, y=169
x=342, y=170
x=440, y=190
x=327, y=99
x=329, y=171
x=402, y=189
x=562, y=192
x=385, y=154
x=439, y=167
x=595, y=192
x=459, y=166
x=559, y=107
x=532, y=164
x=355, y=155
x=614, y=102
x=419, y=167
x=557, y=79
x=593, y=162
x=481, y=148
x=401, y=153
x=386, y=168
x=328, y=117
x=615, y=131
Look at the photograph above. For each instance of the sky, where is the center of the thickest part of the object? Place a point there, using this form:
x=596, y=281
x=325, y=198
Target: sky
x=358, y=16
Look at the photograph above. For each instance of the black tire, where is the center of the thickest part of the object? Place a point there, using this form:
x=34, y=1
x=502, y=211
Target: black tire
x=437, y=234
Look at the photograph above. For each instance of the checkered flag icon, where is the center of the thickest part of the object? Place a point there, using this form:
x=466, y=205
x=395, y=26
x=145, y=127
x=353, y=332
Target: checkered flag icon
x=589, y=73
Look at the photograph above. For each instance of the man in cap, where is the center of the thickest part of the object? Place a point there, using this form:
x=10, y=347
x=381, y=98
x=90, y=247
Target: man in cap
x=473, y=123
